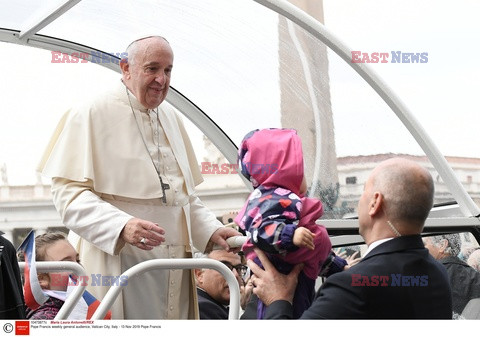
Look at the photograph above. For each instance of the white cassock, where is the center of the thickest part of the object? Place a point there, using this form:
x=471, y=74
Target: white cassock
x=102, y=176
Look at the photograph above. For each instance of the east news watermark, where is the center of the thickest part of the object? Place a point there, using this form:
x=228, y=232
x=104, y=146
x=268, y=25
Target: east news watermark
x=93, y=57
x=392, y=280
x=97, y=280
x=252, y=168
x=392, y=57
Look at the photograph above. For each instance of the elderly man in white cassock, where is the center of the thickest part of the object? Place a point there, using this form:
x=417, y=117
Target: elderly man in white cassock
x=123, y=180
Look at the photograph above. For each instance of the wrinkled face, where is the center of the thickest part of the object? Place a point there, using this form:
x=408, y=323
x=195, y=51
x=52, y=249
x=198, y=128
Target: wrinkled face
x=61, y=250
x=147, y=76
x=213, y=282
x=432, y=248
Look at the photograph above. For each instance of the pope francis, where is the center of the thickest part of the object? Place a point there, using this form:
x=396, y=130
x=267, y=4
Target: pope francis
x=123, y=180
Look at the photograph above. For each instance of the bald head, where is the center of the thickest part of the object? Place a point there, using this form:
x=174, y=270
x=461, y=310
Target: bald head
x=407, y=188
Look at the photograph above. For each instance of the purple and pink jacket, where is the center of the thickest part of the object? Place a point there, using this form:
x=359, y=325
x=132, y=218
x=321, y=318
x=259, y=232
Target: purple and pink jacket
x=272, y=159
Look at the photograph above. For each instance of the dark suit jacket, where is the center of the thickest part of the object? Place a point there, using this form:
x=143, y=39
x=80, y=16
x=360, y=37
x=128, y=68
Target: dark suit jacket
x=209, y=308
x=397, y=279
x=464, y=280
x=12, y=304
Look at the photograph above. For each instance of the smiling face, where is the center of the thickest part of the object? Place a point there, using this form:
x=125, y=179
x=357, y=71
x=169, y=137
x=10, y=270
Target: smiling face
x=148, y=69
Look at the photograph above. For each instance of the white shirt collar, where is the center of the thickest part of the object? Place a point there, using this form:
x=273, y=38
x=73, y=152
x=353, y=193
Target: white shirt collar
x=375, y=244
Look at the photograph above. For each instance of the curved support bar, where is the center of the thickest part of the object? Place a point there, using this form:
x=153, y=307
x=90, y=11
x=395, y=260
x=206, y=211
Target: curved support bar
x=52, y=266
x=114, y=291
x=314, y=27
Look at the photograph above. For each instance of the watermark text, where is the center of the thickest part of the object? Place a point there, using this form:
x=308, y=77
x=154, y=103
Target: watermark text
x=97, y=280
x=392, y=57
x=392, y=280
x=93, y=57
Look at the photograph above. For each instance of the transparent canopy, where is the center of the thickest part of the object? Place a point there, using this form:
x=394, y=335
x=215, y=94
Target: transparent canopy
x=240, y=65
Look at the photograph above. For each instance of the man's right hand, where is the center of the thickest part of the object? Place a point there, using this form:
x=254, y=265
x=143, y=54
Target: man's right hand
x=143, y=234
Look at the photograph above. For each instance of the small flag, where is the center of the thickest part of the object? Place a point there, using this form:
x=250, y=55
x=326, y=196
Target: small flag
x=35, y=296
x=33, y=293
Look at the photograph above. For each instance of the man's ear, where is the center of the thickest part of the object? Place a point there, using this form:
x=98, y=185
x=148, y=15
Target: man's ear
x=125, y=67
x=44, y=280
x=198, y=276
x=376, y=204
x=443, y=245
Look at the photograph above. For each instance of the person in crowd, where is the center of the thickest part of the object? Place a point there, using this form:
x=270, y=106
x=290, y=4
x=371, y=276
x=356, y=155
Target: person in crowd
x=466, y=249
x=464, y=280
x=397, y=278
x=12, y=303
x=48, y=291
x=474, y=260
x=212, y=288
x=123, y=180
x=277, y=217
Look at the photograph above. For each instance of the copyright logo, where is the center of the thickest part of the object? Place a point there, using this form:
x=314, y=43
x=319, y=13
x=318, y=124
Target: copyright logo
x=8, y=327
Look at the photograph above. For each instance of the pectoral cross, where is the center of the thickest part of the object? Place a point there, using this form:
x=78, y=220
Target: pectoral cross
x=164, y=188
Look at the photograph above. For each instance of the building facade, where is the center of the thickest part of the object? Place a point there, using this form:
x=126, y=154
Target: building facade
x=23, y=208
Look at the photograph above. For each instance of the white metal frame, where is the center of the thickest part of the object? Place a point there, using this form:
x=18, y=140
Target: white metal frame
x=47, y=18
x=220, y=139
x=115, y=290
x=56, y=266
x=191, y=263
x=314, y=27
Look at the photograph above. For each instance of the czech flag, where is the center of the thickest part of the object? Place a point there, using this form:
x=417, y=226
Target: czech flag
x=92, y=305
x=33, y=293
x=86, y=306
x=35, y=296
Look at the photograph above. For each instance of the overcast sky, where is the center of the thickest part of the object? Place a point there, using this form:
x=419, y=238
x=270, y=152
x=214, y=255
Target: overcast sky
x=442, y=93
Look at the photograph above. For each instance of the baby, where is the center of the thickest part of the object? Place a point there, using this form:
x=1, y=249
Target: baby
x=277, y=216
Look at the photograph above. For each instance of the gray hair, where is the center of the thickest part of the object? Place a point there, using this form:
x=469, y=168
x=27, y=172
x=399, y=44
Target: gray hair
x=454, y=243
x=132, y=48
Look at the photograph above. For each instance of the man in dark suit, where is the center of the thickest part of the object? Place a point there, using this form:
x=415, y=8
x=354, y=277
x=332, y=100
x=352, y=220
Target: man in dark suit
x=397, y=277
x=212, y=289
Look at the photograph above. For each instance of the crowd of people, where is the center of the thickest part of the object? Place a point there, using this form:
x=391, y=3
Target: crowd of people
x=123, y=176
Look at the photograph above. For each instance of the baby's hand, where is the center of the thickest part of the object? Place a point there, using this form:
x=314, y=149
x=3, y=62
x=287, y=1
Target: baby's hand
x=303, y=237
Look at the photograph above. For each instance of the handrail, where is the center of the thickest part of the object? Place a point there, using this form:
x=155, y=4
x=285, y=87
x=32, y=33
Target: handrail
x=186, y=263
x=71, y=300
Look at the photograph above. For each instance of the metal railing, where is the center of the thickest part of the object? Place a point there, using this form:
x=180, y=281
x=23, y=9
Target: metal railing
x=114, y=291
x=56, y=266
x=187, y=263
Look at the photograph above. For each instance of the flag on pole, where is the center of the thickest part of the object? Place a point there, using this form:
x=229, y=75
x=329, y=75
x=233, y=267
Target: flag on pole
x=33, y=293
x=35, y=296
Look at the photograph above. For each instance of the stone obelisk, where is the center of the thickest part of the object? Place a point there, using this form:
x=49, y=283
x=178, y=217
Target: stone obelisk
x=304, y=63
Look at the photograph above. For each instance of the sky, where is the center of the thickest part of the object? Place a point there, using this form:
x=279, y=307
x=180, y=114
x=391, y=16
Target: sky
x=440, y=93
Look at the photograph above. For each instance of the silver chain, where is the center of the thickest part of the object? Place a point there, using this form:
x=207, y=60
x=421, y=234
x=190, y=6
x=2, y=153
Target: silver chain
x=157, y=169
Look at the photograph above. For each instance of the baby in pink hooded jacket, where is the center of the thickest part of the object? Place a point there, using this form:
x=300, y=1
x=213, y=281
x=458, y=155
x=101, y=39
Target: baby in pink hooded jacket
x=277, y=217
